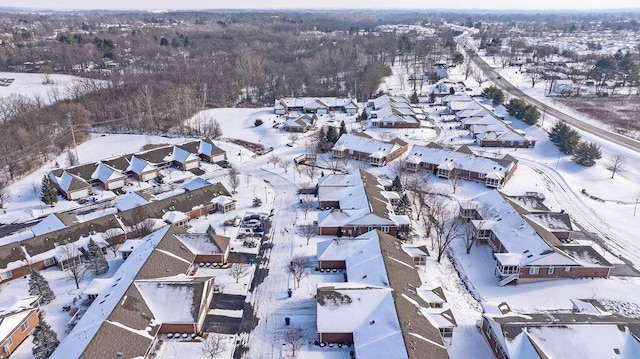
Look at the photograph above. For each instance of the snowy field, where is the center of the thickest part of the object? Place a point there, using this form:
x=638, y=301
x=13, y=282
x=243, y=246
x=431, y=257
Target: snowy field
x=541, y=169
x=31, y=85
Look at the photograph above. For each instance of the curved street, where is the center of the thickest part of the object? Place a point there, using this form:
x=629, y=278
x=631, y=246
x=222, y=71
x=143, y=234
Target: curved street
x=513, y=90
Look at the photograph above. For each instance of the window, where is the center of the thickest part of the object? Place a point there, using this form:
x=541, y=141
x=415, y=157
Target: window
x=567, y=269
x=6, y=275
x=534, y=270
x=7, y=345
x=49, y=261
x=484, y=234
x=550, y=270
x=385, y=229
x=24, y=325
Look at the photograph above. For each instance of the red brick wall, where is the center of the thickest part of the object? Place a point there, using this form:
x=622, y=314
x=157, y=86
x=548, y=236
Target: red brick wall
x=18, y=336
x=210, y=258
x=332, y=231
x=178, y=328
x=335, y=337
x=559, y=272
x=492, y=342
x=332, y=265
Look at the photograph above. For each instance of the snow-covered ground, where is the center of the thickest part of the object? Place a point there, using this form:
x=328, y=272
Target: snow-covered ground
x=32, y=86
x=542, y=169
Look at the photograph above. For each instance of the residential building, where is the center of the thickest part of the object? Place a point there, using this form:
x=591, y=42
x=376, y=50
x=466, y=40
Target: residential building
x=586, y=332
x=364, y=148
x=525, y=250
x=461, y=163
x=356, y=203
x=18, y=319
x=388, y=316
x=301, y=124
x=315, y=105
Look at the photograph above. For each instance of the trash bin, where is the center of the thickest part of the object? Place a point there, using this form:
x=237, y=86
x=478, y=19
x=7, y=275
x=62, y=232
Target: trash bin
x=251, y=260
x=287, y=320
x=289, y=292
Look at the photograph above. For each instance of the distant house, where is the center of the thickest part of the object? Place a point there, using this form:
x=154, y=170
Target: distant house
x=394, y=112
x=364, y=148
x=355, y=203
x=462, y=163
x=300, y=124
x=591, y=333
x=206, y=149
x=18, y=319
x=208, y=247
x=315, y=105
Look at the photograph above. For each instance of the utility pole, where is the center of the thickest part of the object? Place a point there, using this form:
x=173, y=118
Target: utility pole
x=73, y=136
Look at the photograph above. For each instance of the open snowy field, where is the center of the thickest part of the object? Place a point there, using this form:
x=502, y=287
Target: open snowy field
x=32, y=85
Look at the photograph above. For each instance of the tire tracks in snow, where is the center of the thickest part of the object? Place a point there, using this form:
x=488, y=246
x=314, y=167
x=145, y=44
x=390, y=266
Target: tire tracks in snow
x=582, y=214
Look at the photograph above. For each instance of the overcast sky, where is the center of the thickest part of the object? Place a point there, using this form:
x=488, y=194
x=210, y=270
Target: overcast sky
x=323, y=4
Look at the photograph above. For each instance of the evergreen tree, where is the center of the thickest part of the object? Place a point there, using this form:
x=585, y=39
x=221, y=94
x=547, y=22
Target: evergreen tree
x=364, y=115
x=432, y=97
x=494, y=94
x=586, y=154
x=563, y=136
x=38, y=285
x=49, y=194
x=404, y=201
x=396, y=185
x=332, y=135
x=45, y=340
x=97, y=262
x=211, y=230
x=343, y=128
x=521, y=110
x=414, y=97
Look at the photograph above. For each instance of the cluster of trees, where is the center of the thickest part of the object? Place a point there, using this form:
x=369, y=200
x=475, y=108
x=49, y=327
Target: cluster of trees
x=569, y=141
x=494, y=94
x=326, y=139
x=45, y=339
x=523, y=111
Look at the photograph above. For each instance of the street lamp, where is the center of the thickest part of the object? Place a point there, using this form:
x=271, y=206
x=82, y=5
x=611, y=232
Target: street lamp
x=635, y=208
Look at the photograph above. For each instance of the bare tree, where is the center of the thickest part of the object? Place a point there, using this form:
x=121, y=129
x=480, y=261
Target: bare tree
x=417, y=184
x=335, y=164
x=616, y=163
x=467, y=67
x=311, y=171
x=479, y=77
x=446, y=223
x=455, y=177
x=285, y=166
x=238, y=270
x=112, y=236
x=295, y=339
x=306, y=205
x=72, y=160
x=213, y=346
x=35, y=189
x=5, y=196
x=234, y=178
x=308, y=231
x=73, y=264
x=216, y=130
x=274, y=159
x=142, y=224
x=223, y=227
x=298, y=267
x=293, y=138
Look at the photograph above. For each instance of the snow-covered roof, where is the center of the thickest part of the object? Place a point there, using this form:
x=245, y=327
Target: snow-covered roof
x=10, y=322
x=201, y=243
x=372, y=318
x=175, y=217
x=140, y=166
x=171, y=299
x=106, y=173
x=181, y=156
x=70, y=182
x=131, y=200
x=314, y=102
x=516, y=235
x=54, y=222
x=196, y=183
x=460, y=160
x=365, y=145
